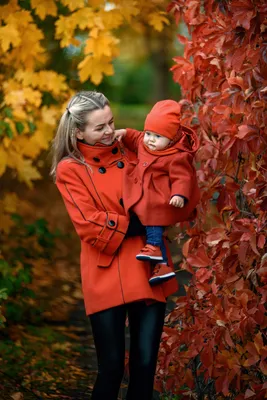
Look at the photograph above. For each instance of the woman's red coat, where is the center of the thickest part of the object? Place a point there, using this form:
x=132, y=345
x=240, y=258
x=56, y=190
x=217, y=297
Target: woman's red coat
x=92, y=193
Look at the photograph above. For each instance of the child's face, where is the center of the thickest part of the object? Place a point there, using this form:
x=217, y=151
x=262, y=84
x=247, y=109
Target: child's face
x=154, y=141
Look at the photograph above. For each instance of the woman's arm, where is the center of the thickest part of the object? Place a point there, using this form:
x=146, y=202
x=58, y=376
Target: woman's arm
x=104, y=230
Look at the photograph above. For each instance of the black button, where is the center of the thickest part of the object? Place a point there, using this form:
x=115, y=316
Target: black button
x=121, y=202
x=102, y=170
x=115, y=150
x=120, y=164
x=111, y=223
x=96, y=159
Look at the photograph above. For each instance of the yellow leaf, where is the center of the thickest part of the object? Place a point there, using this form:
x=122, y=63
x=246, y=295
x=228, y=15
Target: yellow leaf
x=84, y=18
x=44, y=8
x=65, y=27
x=23, y=145
x=48, y=81
x=73, y=4
x=29, y=50
x=3, y=161
x=8, y=9
x=19, y=113
x=128, y=9
x=25, y=170
x=94, y=32
x=6, y=223
x=49, y=115
x=97, y=3
x=112, y=19
x=95, y=69
x=27, y=173
x=15, y=98
x=103, y=45
x=10, y=202
x=23, y=97
x=9, y=36
x=157, y=20
x=33, y=96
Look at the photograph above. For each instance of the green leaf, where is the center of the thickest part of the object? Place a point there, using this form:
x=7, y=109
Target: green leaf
x=9, y=132
x=19, y=127
x=5, y=129
x=8, y=112
x=32, y=126
x=3, y=294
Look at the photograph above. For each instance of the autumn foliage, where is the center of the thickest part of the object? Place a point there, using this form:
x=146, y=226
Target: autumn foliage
x=215, y=345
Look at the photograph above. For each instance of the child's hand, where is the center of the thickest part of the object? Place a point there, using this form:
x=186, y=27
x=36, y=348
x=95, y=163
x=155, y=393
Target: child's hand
x=119, y=133
x=177, y=201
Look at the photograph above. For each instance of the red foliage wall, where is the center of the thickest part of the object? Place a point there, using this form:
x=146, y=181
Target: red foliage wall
x=215, y=345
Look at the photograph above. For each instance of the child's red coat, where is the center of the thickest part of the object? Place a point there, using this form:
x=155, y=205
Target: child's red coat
x=153, y=179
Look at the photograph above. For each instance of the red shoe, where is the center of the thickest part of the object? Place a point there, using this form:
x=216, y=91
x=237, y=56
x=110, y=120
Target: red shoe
x=161, y=273
x=150, y=253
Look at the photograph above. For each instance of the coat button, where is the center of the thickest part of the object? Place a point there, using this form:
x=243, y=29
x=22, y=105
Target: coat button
x=145, y=164
x=120, y=164
x=102, y=170
x=96, y=159
x=115, y=150
x=111, y=223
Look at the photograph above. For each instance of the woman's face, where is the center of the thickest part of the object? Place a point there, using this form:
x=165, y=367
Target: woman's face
x=99, y=128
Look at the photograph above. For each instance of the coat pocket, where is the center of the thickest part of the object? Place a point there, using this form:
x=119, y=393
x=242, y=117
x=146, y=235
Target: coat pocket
x=104, y=260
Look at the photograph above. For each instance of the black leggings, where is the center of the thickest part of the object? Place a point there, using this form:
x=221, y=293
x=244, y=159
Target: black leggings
x=108, y=326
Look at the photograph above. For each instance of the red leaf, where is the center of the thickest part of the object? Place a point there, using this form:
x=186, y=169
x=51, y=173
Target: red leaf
x=228, y=339
x=263, y=367
x=247, y=131
x=186, y=247
x=253, y=244
x=203, y=275
x=200, y=259
x=261, y=241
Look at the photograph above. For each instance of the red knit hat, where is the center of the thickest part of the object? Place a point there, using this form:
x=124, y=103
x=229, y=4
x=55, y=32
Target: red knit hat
x=164, y=119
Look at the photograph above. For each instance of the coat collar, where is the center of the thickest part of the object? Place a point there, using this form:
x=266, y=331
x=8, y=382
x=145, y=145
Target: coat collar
x=100, y=154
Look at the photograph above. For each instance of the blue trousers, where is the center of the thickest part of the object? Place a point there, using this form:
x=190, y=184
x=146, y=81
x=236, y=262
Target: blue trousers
x=154, y=236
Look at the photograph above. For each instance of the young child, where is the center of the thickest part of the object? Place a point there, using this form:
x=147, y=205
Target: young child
x=160, y=187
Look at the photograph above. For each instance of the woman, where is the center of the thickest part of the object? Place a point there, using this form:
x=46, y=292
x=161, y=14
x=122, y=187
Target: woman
x=88, y=166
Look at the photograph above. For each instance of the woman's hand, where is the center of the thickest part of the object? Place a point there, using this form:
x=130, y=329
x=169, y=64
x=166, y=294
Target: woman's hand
x=119, y=134
x=177, y=201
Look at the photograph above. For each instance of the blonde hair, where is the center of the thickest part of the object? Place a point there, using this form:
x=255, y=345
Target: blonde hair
x=75, y=117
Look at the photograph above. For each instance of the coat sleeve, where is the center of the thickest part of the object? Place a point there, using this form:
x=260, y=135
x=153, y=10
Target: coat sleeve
x=104, y=230
x=182, y=175
x=132, y=139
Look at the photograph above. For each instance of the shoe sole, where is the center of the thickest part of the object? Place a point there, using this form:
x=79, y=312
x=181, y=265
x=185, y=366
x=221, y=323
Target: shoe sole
x=159, y=279
x=142, y=257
